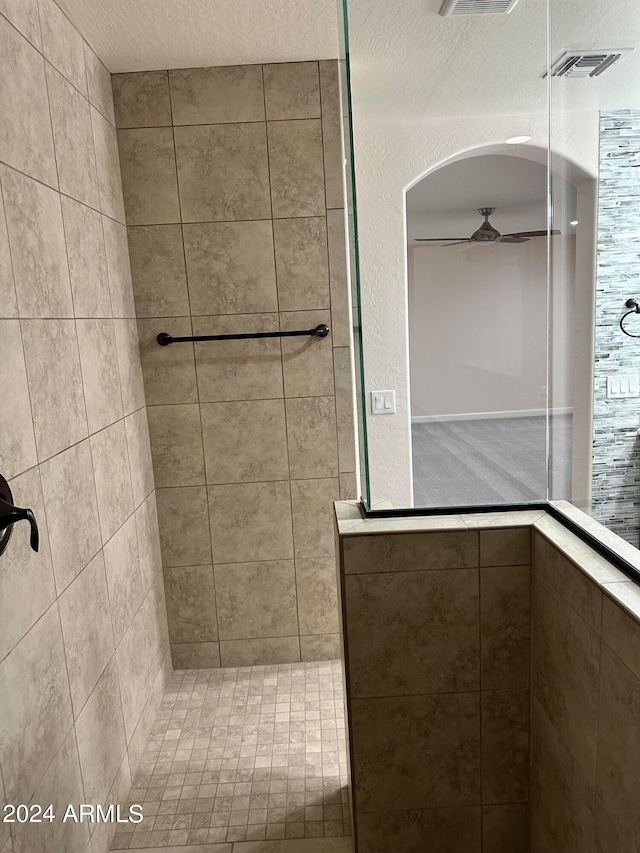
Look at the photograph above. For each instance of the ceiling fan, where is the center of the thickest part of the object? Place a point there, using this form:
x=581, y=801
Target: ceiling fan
x=486, y=233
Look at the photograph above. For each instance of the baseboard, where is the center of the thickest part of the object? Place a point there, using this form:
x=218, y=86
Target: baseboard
x=486, y=416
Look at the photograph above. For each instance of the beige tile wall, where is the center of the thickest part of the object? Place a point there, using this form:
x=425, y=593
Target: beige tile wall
x=436, y=632
x=83, y=633
x=586, y=708
x=233, y=194
x=441, y=715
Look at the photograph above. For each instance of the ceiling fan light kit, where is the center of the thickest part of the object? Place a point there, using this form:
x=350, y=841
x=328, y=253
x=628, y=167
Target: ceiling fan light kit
x=487, y=234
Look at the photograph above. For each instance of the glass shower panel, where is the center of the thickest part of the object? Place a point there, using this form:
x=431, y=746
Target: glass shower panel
x=594, y=260
x=351, y=224
x=450, y=137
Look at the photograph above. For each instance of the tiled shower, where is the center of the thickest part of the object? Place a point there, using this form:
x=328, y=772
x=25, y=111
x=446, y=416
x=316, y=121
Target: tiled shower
x=181, y=640
x=84, y=645
x=233, y=195
x=194, y=483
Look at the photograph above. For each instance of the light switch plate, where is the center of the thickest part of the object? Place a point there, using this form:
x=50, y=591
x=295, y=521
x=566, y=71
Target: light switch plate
x=623, y=386
x=383, y=402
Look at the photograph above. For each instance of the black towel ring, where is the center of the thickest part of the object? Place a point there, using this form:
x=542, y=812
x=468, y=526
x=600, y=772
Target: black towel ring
x=634, y=309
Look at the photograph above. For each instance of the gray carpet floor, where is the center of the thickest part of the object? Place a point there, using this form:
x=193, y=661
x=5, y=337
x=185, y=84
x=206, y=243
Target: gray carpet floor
x=501, y=460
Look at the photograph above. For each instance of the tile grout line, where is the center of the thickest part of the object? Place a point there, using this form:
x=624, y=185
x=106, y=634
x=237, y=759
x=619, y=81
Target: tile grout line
x=18, y=319
x=292, y=526
x=60, y=192
x=208, y=123
x=328, y=260
x=42, y=53
x=197, y=381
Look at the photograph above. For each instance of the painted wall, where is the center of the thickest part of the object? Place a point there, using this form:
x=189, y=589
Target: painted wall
x=84, y=648
x=477, y=328
x=382, y=180
x=409, y=119
x=234, y=200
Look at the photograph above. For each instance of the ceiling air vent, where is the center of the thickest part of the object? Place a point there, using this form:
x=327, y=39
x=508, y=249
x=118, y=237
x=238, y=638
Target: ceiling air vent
x=477, y=7
x=586, y=63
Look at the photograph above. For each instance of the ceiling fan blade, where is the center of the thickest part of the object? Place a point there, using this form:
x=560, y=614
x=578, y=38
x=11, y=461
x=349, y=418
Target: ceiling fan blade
x=532, y=233
x=436, y=239
x=512, y=238
x=457, y=243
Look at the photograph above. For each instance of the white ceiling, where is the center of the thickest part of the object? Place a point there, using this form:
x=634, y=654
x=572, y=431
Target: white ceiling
x=142, y=35
x=486, y=65
x=469, y=65
x=492, y=181
x=445, y=203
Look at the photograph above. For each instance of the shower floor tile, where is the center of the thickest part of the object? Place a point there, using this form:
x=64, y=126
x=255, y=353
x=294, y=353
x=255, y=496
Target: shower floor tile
x=244, y=754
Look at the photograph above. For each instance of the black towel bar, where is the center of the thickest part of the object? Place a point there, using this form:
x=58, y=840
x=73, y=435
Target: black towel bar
x=321, y=331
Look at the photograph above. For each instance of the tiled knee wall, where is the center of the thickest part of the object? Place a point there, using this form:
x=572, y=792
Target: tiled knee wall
x=439, y=672
x=233, y=187
x=586, y=705
x=437, y=651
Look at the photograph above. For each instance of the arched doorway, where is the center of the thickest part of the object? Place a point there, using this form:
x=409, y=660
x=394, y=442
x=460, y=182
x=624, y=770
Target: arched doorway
x=499, y=413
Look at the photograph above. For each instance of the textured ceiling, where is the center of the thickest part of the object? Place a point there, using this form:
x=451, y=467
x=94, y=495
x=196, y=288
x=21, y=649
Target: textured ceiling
x=139, y=35
x=408, y=60
x=493, y=181
x=446, y=202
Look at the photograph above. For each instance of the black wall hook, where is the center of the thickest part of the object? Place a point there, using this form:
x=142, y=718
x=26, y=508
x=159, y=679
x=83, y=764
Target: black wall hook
x=9, y=514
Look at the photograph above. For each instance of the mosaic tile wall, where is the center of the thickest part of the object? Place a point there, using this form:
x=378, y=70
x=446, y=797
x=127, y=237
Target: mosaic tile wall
x=616, y=447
